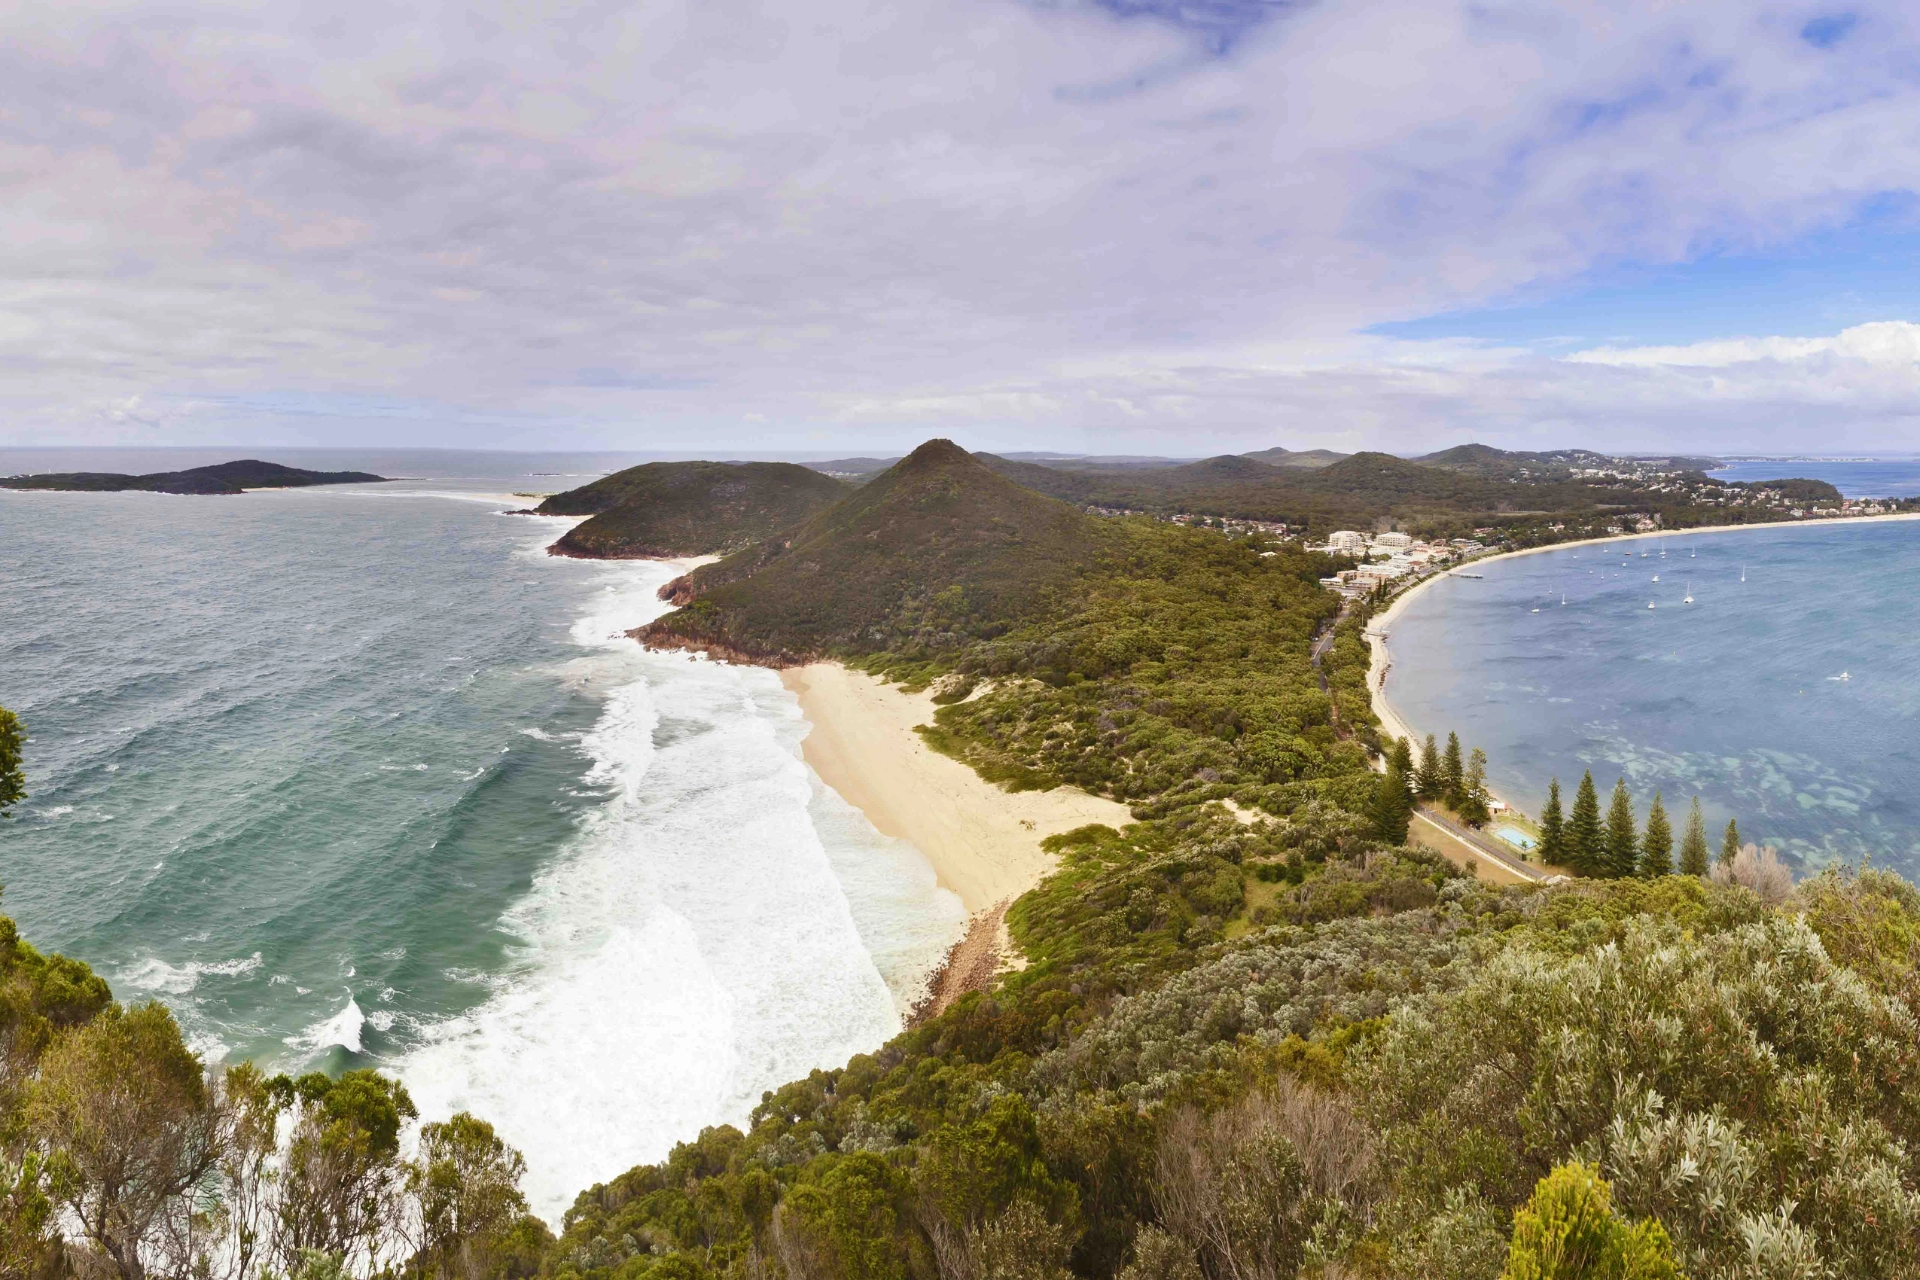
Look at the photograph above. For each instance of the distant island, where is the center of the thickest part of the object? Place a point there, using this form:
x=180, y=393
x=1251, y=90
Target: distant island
x=225, y=477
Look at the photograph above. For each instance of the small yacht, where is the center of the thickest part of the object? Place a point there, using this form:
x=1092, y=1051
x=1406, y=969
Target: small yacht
x=1689, y=599
x=1649, y=604
x=1656, y=577
x=1743, y=573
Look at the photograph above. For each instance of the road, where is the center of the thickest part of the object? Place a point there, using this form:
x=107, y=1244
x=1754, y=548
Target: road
x=1482, y=845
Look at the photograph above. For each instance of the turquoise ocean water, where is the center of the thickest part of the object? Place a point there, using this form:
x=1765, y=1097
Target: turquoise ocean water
x=1738, y=697
x=360, y=776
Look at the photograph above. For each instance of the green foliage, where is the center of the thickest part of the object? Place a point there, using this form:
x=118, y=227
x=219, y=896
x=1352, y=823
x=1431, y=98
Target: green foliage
x=1730, y=844
x=1569, y=1231
x=688, y=508
x=1622, y=854
x=1656, y=846
x=1473, y=807
x=1693, y=845
x=1586, y=838
x=1553, y=850
x=1392, y=806
x=466, y=1182
x=13, y=782
x=1431, y=781
x=1453, y=775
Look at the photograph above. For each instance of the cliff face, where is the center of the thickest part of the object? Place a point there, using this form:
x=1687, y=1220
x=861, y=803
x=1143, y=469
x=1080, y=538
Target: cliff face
x=222, y=478
x=668, y=509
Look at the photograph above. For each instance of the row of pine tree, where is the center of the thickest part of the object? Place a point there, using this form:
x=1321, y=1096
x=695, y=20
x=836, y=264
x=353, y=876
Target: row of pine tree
x=1614, y=847
x=1584, y=842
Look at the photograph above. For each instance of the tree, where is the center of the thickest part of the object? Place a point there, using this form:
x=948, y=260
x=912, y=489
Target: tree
x=1586, y=841
x=1392, y=809
x=1553, y=829
x=1730, y=844
x=1401, y=753
x=342, y=1172
x=466, y=1187
x=1656, y=847
x=1623, y=840
x=1430, y=781
x=1693, y=845
x=1569, y=1231
x=124, y=1111
x=1473, y=807
x=1453, y=775
x=13, y=783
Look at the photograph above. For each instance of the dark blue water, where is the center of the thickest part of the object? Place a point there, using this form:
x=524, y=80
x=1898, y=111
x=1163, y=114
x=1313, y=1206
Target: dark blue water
x=1883, y=478
x=1735, y=698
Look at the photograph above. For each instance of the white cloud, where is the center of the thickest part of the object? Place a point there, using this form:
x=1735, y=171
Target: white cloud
x=1888, y=342
x=661, y=224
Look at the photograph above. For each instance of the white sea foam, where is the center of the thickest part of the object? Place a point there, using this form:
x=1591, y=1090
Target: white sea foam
x=155, y=974
x=342, y=1029
x=697, y=942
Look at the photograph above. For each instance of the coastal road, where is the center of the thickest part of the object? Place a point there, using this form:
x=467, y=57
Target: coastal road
x=1481, y=846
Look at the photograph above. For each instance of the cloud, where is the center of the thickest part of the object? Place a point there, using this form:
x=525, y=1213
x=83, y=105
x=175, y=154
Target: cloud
x=1894, y=343
x=743, y=224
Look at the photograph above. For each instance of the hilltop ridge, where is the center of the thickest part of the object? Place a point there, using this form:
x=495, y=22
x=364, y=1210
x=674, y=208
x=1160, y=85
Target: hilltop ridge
x=664, y=509
x=936, y=546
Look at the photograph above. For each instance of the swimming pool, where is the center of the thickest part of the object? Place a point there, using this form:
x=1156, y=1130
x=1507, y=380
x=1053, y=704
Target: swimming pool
x=1515, y=837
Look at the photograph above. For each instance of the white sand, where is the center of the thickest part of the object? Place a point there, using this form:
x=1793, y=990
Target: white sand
x=984, y=843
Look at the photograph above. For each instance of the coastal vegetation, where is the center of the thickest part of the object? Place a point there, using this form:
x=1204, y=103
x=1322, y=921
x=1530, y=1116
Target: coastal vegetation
x=222, y=478
x=1254, y=1034
x=13, y=782
x=665, y=509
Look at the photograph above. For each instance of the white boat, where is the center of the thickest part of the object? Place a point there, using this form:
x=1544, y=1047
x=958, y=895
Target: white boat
x=1689, y=599
x=1656, y=577
x=1649, y=604
x=1743, y=573
x=1536, y=611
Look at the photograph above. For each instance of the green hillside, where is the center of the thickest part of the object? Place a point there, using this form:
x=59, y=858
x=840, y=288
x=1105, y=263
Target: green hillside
x=688, y=508
x=221, y=478
x=937, y=546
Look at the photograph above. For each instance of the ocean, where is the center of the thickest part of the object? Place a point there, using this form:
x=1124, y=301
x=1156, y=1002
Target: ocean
x=1788, y=701
x=359, y=776
x=1868, y=478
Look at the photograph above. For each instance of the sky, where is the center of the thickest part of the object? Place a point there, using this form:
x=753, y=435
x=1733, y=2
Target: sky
x=1106, y=226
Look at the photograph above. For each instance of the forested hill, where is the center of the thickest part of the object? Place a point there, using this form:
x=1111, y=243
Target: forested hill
x=935, y=546
x=222, y=478
x=688, y=508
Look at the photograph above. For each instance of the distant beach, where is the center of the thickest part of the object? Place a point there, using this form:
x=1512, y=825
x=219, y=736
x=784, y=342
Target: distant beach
x=1765, y=699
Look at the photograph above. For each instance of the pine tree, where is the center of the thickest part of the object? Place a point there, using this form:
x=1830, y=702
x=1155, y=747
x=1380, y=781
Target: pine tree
x=1623, y=841
x=1693, y=845
x=1401, y=752
x=1729, y=844
x=1430, y=779
x=1586, y=842
x=1553, y=829
x=1454, y=776
x=1392, y=805
x=1473, y=808
x=1656, y=847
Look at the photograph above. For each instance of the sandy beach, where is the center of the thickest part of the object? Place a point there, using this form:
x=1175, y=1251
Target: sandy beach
x=984, y=843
